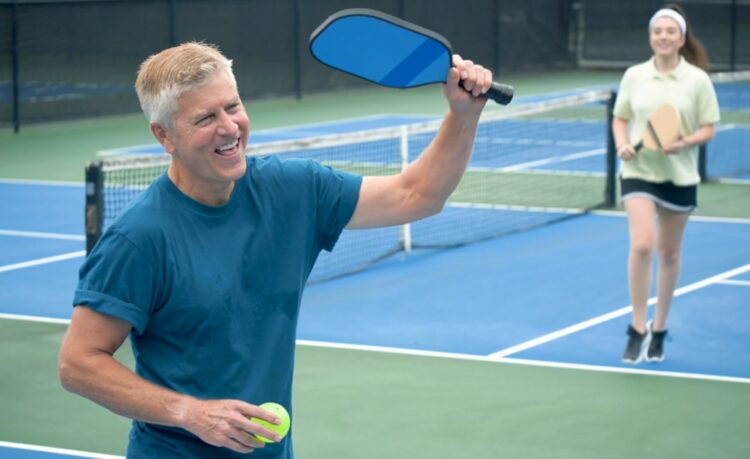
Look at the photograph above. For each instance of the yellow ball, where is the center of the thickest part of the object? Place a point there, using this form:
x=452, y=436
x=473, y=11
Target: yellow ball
x=281, y=429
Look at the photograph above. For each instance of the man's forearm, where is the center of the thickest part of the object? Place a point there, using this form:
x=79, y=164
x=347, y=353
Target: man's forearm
x=107, y=382
x=437, y=172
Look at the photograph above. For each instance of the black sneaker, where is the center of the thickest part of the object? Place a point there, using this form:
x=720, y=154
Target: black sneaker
x=655, y=352
x=637, y=344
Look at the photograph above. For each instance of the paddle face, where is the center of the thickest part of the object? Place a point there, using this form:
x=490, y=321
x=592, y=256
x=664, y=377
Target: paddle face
x=663, y=127
x=388, y=51
x=382, y=49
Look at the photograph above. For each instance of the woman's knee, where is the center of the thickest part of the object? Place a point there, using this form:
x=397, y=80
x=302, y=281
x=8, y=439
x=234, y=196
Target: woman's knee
x=642, y=246
x=669, y=255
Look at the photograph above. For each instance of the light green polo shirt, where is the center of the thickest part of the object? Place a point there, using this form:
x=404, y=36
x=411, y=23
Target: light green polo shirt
x=642, y=91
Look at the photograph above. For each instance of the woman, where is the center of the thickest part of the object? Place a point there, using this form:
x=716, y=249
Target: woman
x=659, y=186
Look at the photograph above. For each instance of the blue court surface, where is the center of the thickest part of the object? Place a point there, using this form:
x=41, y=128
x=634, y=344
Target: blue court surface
x=555, y=295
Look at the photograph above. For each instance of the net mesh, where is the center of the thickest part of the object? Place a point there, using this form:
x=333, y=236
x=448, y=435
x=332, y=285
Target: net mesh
x=725, y=154
x=531, y=165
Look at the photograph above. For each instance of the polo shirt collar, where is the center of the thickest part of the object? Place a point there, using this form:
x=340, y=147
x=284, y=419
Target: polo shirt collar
x=675, y=74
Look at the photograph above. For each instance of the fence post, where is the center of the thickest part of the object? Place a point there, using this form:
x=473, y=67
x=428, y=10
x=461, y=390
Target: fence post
x=733, y=34
x=297, y=36
x=14, y=64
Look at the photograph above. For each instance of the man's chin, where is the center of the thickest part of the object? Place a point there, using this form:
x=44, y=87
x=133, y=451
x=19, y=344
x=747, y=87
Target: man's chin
x=238, y=171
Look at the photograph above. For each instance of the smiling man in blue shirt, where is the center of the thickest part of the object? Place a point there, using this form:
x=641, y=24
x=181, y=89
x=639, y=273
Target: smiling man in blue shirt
x=205, y=270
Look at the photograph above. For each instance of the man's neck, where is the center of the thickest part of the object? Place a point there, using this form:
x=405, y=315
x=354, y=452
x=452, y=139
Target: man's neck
x=204, y=193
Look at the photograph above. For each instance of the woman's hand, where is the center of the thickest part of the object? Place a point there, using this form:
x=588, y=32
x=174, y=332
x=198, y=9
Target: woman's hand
x=626, y=152
x=677, y=146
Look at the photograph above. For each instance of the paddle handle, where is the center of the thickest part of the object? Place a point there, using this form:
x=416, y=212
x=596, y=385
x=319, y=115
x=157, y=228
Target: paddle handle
x=500, y=93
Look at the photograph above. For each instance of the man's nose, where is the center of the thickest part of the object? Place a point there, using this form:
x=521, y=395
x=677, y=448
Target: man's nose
x=226, y=125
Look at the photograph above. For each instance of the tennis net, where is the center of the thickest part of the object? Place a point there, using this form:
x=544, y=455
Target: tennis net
x=724, y=158
x=532, y=165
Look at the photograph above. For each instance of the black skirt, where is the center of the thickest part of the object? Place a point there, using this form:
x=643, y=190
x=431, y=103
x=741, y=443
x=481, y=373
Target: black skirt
x=667, y=194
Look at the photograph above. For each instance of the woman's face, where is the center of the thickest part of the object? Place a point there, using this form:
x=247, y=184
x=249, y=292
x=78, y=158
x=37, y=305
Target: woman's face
x=666, y=38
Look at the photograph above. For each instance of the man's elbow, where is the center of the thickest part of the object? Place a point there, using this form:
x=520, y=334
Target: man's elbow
x=65, y=374
x=68, y=372
x=436, y=208
x=430, y=206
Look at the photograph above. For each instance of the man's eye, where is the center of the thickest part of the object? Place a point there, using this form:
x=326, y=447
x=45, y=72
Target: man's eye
x=204, y=120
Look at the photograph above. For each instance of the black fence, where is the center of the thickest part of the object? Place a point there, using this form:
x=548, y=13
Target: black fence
x=615, y=34
x=68, y=59
x=71, y=59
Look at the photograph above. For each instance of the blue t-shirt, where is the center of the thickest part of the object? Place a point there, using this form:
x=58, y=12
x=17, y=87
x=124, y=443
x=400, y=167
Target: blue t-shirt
x=213, y=293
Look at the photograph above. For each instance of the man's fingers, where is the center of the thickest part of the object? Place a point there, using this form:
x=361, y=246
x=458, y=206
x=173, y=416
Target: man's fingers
x=474, y=78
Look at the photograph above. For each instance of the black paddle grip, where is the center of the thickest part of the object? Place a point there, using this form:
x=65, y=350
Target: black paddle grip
x=500, y=93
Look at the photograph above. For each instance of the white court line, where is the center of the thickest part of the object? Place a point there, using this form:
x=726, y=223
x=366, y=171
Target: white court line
x=514, y=361
x=730, y=181
x=25, y=318
x=47, y=449
x=612, y=315
x=43, y=261
x=36, y=234
x=636, y=371
x=735, y=282
x=546, y=161
x=725, y=127
x=391, y=350
x=39, y=182
x=693, y=218
x=458, y=356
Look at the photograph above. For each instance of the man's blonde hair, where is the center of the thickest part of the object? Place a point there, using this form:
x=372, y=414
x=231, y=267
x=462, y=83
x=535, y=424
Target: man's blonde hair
x=165, y=76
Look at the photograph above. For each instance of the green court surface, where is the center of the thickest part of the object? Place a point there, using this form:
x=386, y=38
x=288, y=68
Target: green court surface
x=366, y=405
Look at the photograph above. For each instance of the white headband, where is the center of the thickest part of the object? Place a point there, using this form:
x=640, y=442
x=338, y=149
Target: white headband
x=669, y=13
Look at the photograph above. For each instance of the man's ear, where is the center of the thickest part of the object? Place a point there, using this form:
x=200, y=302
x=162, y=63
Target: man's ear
x=163, y=135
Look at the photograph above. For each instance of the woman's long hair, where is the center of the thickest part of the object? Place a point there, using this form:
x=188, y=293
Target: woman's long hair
x=693, y=50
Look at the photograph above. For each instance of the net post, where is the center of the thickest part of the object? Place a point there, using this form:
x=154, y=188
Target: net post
x=610, y=191
x=702, y=152
x=94, y=211
x=404, y=152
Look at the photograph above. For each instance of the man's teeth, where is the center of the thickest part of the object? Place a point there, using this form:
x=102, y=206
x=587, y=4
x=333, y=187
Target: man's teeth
x=227, y=146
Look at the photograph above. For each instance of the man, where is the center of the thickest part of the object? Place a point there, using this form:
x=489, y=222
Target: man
x=205, y=271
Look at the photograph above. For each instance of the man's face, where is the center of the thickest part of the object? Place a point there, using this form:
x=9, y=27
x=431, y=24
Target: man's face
x=208, y=139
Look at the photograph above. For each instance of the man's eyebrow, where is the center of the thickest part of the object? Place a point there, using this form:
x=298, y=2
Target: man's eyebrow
x=200, y=114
